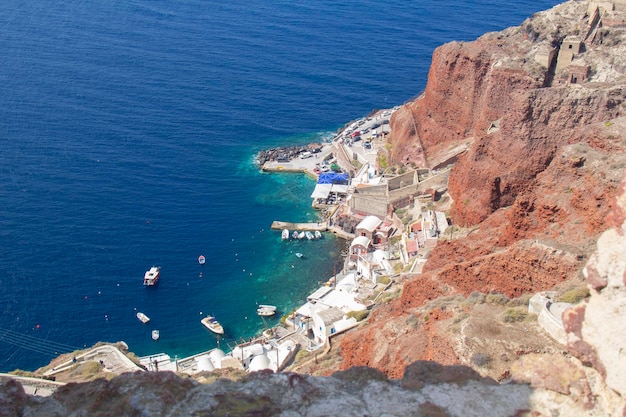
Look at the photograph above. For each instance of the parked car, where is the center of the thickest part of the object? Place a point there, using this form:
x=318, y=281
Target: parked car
x=305, y=155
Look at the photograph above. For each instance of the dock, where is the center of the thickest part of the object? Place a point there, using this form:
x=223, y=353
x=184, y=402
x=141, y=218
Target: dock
x=321, y=226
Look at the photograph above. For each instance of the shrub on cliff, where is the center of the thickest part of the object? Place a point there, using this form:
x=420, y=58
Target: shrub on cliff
x=358, y=315
x=513, y=315
x=574, y=295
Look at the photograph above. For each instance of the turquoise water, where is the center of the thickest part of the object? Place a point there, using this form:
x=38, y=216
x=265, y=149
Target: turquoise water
x=128, y=132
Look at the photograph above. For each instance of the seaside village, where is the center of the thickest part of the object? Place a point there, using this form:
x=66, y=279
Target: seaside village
x=389, y=224
x=360, y=203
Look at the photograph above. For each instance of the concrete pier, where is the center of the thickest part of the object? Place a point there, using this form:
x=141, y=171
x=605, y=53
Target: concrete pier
x=321, y=226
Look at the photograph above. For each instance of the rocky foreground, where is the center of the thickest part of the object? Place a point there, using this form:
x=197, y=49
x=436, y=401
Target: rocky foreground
x=532, y=196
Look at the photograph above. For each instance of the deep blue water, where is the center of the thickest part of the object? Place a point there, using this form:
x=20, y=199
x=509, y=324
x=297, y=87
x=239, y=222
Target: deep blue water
x=128, y=131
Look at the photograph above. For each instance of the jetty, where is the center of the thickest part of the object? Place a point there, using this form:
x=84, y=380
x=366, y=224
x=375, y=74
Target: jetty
x=321, y=226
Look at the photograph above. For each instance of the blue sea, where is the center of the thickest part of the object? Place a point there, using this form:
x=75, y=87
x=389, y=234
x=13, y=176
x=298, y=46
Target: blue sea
x=128, y=133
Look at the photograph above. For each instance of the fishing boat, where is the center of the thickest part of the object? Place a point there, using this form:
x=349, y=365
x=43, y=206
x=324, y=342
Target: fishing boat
x=142, y=317
x=309, y=235
x=155, y=335
x=265, y=310
x=285, y=234
x=212, y=324
x=151, y=276
x=201, y=259
x=318, y=234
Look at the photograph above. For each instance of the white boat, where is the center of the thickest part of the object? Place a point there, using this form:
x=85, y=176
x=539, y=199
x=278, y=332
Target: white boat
x=266, y=310
x=309, y=235
x=301, y=235
x=212, y=324
x=201, y=259
x=294, y=234
x=299, y=255
x=318, y=234
x=285, y=234
x=152, y=275
x=142, y=317
x=155, y=335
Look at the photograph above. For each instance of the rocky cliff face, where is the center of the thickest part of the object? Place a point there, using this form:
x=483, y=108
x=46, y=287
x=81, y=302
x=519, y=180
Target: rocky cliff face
x=531, y=194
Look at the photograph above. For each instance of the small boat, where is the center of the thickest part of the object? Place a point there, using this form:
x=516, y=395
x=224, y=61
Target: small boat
x=294, y=235
x=201, y=259
x=142, y=317
x=285, y=234
x=309, y=235
x=299, y=255
x=301, y=235
x=266, y=310
x=152, y=275
x=155, y=335
x=212, y=324
x=318, y=234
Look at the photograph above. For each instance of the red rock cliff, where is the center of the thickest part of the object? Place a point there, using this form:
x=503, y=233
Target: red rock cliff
x=543, y=162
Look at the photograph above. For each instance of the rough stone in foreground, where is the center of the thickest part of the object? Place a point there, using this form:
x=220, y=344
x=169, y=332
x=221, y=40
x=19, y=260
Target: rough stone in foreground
x=358, y=392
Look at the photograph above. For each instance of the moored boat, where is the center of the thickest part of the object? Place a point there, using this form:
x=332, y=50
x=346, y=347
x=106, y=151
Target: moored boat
x=142, y=317
x=152, y=275
x=285, y=234
x=266, y=310
x=301, y=235
x=201, y=259
x=299, y=255
x=294, y=235
x=318, y=234
x=155, y=334
x=309, y=235
x=212, y=324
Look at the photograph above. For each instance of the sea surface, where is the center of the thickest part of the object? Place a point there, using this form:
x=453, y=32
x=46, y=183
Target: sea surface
x=128, y=135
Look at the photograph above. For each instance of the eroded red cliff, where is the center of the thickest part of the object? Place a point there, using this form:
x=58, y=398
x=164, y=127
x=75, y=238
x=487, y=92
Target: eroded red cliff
x=544, y=159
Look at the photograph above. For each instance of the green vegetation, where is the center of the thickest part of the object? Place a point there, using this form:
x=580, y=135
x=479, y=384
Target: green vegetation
x=574, y=295
x=521, y=301
x=385, y=280
x=513, y=315
x=382, y=161
x=497, y=299
x=356, y=164
x=302, y=353
x=358, y=315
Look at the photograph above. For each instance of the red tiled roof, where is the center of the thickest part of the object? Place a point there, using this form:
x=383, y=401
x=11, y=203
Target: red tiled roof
x=411, y=246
